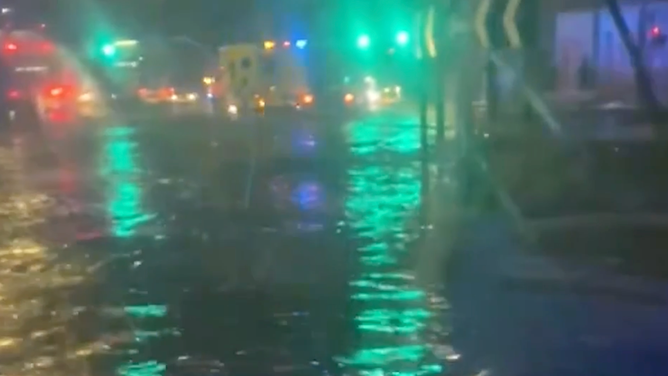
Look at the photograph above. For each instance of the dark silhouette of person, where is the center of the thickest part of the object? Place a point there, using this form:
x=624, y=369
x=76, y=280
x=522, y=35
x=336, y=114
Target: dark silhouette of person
x=584, y=73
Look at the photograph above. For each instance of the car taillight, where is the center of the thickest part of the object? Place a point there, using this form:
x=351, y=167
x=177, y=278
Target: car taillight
x=167, y=92
x=13, y=94
x=11, y=47
x=46, y=47
x=56, y=91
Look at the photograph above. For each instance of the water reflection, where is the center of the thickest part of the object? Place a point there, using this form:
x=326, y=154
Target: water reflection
x=393, y=313
x=303, y=141
x=37, y=322
x=122, y=172
x=385, y=133
x=308, y=195
x=304, y=202
x=120, y=169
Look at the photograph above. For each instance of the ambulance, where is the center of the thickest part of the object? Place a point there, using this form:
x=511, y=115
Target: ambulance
x=263, y=78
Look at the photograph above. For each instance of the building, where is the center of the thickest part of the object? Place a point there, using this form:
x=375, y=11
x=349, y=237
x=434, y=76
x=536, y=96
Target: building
x=589, y=55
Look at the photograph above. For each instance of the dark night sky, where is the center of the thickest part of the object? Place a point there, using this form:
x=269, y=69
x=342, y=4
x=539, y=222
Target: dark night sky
x=209, y=21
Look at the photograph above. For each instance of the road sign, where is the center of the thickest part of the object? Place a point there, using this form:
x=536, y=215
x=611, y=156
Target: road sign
x=440, y=22
x=510, y=24
x=426, y=32
x=494, y=18
x=481, y=16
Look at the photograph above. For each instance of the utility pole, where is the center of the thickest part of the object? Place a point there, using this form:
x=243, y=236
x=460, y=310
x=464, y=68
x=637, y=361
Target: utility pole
x=424, y=108
x=423, y=87
x=491, y=90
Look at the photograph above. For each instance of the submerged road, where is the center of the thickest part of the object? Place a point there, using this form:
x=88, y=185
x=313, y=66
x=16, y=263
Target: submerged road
x=277, y=245
x=301, y=245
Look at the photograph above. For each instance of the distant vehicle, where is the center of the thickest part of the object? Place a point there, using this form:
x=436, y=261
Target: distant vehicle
x=37, y=79
x=25, y=70
x=369, y=92
x=171, y=93
x=390, y=95
x=264, y=78
x=152, y=74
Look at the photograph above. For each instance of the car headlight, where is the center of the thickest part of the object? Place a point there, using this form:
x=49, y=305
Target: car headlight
x=232, y=109
x=308, y=99
x=372, y=95
x=191, y=96
x=86, y=97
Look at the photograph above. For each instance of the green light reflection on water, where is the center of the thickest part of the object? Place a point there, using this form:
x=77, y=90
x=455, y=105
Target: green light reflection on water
x=381, y=199
x=139, y=314
x=150, y=368
x=126, y=210
x=121, y=171
x=144, y=311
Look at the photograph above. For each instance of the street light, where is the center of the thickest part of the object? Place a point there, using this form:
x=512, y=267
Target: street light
x=402, y=38
x=109, y=50
x=363, y=41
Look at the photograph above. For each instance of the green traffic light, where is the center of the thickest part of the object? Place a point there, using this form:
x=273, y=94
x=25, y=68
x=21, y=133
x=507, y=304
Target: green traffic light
x=109, y=50
x=363, y=41
x=402, y=38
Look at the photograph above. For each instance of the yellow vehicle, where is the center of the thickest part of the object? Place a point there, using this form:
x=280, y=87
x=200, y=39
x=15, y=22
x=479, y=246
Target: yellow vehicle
x=261, y=78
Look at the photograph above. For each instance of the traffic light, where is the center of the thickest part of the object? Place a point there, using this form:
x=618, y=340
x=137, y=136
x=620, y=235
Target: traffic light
x=301, y=44
x=656, y=37
x=363, y=41
x=402, y=38
x=10, y=47
x=109, y=50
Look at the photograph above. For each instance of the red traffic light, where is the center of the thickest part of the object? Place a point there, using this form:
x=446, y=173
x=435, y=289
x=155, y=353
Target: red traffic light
x=657, y=37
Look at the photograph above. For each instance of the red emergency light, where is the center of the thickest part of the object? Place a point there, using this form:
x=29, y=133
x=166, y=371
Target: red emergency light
x=46, y=47
x=56, y=91
x=13, y=94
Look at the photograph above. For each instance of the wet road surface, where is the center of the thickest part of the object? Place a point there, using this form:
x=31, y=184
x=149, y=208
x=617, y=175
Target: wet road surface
x=304, y=245
x=215, y=247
